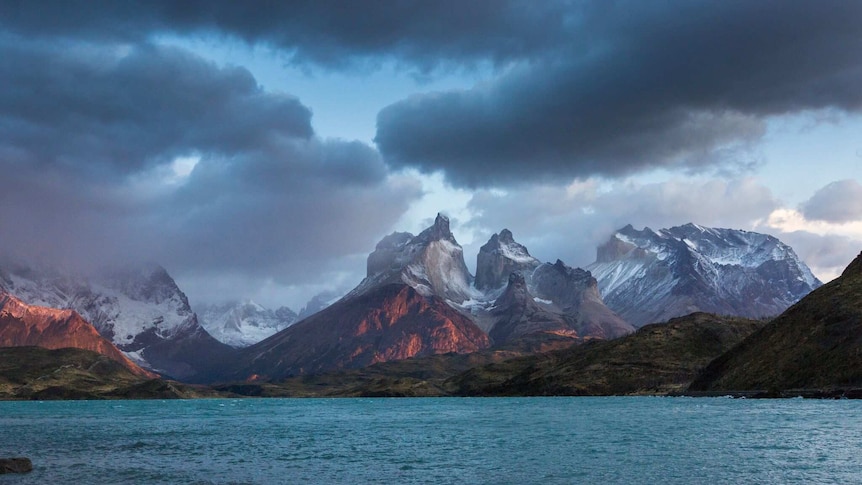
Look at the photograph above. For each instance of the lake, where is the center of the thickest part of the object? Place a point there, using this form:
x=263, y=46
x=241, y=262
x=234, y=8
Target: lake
x=440, y=440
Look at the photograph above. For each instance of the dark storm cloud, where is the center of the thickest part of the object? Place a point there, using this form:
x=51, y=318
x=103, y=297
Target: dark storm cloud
x=335, y=33
x=638, y=85
x=837, y=202
x=582, y=88
x=89, y=137
x=111, y=111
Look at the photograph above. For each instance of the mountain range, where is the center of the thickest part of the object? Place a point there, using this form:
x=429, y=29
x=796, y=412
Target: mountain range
x=418, y=300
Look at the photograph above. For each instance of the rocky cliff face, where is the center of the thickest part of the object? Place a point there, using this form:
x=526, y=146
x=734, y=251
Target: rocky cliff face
x=517, y=314
x=24, y=325
x=432, y=263
x=384, y=323
x=553, y=299
x=650, y=276
x=500, y=257
x=815, y=344
x=139, y=309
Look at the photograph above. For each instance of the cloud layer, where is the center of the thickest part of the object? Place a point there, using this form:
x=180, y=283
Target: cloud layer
x=837, y=202
x=331, y=33
x=90, y=138
x=116, y=147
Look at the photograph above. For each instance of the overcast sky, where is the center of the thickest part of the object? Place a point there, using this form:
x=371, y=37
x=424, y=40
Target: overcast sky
x=261, y=149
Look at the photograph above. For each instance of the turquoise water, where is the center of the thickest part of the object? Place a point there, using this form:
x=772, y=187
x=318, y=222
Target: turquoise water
x=524, y=440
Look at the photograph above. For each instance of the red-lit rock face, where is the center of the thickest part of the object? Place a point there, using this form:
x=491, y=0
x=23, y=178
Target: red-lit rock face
x=392, y=322
x=25, y=325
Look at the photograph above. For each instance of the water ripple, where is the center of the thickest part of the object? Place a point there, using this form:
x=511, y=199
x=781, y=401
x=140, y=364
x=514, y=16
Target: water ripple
x=417, y=441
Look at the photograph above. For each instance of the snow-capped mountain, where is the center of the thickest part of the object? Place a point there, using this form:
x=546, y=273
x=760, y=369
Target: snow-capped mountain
x=650, y=276
x=139, y=309
x=241, y=324
x=317, y=303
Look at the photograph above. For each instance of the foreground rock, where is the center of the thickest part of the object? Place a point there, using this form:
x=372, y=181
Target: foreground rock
x=15, y=465
x=814, y=345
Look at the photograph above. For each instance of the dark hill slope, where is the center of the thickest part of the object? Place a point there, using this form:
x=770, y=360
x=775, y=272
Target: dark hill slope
x=390, y=322
x=815, y=344
x=657, y=359
x=37, y=373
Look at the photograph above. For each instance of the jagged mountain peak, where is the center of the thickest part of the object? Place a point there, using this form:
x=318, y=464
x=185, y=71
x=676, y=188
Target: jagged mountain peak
x=432, y=263
x=563, y=284
x=553, y=299
x=499, y=257
x=149, y=282
x=438, y=231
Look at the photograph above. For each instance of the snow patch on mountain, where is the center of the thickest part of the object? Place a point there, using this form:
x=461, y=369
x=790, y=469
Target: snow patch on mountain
x=245, y=323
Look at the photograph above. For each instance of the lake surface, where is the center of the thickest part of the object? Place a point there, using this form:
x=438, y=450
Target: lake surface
x=447, y=440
